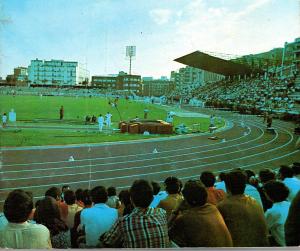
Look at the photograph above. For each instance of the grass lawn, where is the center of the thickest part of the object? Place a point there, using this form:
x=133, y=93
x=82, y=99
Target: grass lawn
x=44, y=111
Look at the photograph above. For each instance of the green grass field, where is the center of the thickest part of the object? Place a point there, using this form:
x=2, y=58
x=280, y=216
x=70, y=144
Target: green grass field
x=42, y=114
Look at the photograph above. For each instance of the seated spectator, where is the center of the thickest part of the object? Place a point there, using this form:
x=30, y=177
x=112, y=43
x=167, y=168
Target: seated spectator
x=113, y=200
x=99, y=218
x=250, y=189
x=55, y=193
x=19, y=233
x=87, y=119
x=63, y=190
x=201, y=225
x=157, y=194
x=73, y=208
x=286, y=174
x=292, y=224
x=296, y=169
x=47, y=213
x=144, y=227
x=78, y=196
x=277, y=214
x=221, y=182
x=265, y=175
x=213, y=195
x=243, y=216
x=174, y=198
x=126, y=206
x=94, y=119
x=77, y=231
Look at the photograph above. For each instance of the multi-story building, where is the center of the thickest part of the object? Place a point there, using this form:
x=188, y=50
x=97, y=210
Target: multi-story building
x=190, y=77
x=130, y=83
x=57, y=73
x=104, y=82
x=157, y=87
x=123, y=81
x=19, y=78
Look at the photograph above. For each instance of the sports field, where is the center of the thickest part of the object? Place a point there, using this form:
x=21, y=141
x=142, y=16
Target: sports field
x=38, y=120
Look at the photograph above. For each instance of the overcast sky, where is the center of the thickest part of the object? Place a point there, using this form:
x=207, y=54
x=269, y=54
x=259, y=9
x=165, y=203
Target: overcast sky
x=96, y=32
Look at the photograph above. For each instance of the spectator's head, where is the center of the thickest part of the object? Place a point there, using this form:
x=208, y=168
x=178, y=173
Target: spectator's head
x=296, y=168
x=54, y=192
x=47, y=210
x=86, y=198
x=18, y=206
x=78, y=194
x=141, y=193
x=173, y=185
x=249, y=173
x=65, y=188
x=276, y=191
x=222, y=176
x=208, y=179
x=155, y=187
x=124, y=197
x=69, y=197
x=266, y=175
x=235, y=182
x=285, y=172
x=111, y=191
x=195, y=193
x=99, y=194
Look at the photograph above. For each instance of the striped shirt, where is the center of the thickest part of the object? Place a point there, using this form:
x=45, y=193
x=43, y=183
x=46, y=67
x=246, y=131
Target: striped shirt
x=142, y=228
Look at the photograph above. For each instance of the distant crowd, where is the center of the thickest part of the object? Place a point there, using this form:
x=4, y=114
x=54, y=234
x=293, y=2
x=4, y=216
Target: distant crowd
x=252, y=94
x=236, y=209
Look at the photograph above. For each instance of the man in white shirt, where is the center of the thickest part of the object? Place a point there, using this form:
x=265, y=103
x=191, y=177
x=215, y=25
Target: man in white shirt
x=99, y=218
x=276, y=216
x=18, y=232
x=100, y=122
x=286, y=174
x=108, y=119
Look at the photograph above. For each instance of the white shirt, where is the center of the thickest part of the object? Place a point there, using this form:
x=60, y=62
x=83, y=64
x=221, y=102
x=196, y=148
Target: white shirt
x=293, y=185
x=4, y=119
x=276, y=217
x=157, y=198
x=96, y=221
x=100, y=120
x=25, y=235
x=108, y=117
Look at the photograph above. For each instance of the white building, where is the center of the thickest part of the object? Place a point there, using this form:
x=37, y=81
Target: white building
x=190, y=77
x=57, y=72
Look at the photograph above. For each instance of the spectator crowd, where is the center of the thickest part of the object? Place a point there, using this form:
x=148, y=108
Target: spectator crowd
x=235, y=209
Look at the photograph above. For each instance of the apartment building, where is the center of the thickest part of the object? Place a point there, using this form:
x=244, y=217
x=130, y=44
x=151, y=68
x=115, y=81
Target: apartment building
x=57, y=73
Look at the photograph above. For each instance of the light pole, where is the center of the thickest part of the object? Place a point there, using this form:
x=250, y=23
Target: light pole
x=283, y=56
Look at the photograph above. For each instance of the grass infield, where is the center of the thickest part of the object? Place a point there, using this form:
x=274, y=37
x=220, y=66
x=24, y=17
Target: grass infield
x=38, y=120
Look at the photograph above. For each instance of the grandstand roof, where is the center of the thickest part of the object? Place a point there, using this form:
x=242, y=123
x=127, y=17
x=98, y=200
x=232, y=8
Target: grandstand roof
x=210, y=63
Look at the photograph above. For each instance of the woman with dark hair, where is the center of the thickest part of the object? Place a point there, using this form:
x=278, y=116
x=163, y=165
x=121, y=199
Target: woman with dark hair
x=126, y=204
x=47, y=213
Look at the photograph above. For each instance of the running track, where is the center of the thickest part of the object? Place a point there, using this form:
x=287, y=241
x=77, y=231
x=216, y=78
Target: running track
x=247, y=145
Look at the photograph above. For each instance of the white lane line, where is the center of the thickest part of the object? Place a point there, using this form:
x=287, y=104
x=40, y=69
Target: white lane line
x=135, y=161
x=166, y=171
x=138, y=141
x=124, y=156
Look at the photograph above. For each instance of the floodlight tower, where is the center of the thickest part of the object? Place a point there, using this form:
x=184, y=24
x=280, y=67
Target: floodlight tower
x=130, y=54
